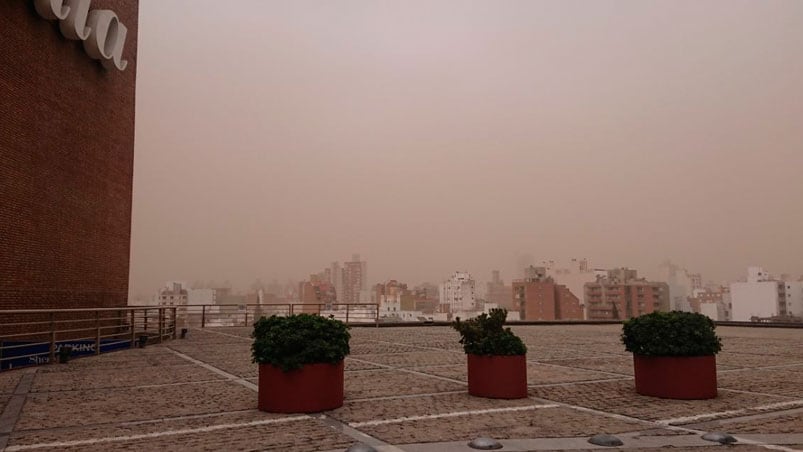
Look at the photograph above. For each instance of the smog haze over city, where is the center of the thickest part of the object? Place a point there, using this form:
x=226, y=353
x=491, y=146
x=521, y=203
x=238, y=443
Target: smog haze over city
x=273, y=138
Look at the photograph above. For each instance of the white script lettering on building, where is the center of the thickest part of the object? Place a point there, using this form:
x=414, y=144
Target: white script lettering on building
x=101, y=31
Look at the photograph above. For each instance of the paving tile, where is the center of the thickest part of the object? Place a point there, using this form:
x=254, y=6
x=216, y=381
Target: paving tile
x=769, y=381
x=68, y=378
x=64, y=409
x=792, y=423
x=307, y=435
x=620, y=397
x=9, y=380
x=384, y=383
x=361, y=411
x=372, y=348
x=537, y=423
x=622, y=365
x=415, y=359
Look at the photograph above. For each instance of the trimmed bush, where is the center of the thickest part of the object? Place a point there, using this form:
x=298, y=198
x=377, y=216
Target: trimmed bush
x=293, y=341
x=673, y=333
x=486, y=335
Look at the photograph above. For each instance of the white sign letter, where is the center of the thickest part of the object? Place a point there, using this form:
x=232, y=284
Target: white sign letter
x=74, y=26
x=105, y=30
x=51, y=9
x=117, y=54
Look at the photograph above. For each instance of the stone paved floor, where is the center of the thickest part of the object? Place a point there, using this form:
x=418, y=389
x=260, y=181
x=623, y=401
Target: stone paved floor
x=405, y=390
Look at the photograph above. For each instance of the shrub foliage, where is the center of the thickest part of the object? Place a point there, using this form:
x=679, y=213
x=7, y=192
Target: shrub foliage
x=293, y=341
x=486, y=335
x=673, y=333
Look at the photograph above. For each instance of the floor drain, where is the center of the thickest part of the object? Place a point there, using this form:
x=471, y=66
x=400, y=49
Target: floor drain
x=360, y=447
x=485, y=444
x=605, y=440
x=721, y=438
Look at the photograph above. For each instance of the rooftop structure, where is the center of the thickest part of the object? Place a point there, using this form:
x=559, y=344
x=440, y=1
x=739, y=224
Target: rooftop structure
x=405, y=387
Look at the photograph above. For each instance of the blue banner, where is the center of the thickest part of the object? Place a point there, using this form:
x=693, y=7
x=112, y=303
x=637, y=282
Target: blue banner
x=79, y=348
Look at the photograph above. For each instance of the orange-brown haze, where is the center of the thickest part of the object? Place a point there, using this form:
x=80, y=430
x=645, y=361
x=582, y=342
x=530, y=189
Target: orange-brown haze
x=276, y=137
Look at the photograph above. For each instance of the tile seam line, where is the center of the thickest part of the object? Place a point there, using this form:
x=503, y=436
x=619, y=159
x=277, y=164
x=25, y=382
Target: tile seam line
x=12, y=412
x=450, y=415
x=229, y=377
x=109, y=439
x=655, y=424
x=323, y=418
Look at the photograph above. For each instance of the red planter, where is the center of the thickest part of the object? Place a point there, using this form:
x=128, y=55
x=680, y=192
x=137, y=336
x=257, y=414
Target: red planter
x=497, y=377
x=313, y=388
x=676, y=377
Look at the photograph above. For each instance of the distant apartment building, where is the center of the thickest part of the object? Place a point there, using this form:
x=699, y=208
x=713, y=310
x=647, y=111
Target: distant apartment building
x=498, y=293
x=712, y=302
x=397, y=302
x=765, y=297
x=573, y=274
x=458, y=293
x=681, y=284
x=355, y=281
x=538, y=297
x=621, y=294
x=173, y=294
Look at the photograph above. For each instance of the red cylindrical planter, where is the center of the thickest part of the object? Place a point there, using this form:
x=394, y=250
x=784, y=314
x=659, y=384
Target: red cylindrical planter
x=676, y=377
x=313, y=388
x=497, y=377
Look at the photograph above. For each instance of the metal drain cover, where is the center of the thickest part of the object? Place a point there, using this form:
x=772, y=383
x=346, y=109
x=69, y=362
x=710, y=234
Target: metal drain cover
x=721, y=438
x=360, y=447
x=605, y=440
x=485, y=444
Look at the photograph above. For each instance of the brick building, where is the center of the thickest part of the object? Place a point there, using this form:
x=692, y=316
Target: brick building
x=538, y=297
x=66, y=156
x=621, y=294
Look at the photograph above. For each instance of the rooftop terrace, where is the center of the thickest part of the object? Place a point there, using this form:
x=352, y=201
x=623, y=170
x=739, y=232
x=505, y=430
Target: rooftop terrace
x=405, y=390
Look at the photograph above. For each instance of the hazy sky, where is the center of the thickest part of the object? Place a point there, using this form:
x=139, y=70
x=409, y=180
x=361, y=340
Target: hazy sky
x=276, y=137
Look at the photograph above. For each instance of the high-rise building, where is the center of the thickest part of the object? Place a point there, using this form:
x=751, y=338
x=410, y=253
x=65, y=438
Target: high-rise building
x=498, y=293
x=766, y=297
x=355, y=280
x=66, y=157
x=458, y=293
x=538, y=297
x=622, y=295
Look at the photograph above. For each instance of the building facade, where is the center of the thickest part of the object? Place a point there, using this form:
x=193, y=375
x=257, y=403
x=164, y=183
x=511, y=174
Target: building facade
x=355, y=280
x=498, y=293
x=621, y=294
x=766, y=297
x=538, y=297
x=66, y=157
x=458, y=293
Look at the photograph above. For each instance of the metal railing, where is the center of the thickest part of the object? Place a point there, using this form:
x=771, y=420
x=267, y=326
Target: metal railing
x=35, y=336
x=215, y=315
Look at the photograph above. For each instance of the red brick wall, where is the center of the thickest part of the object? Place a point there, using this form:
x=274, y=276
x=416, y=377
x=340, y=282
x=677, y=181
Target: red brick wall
x=568, y=304
x=66, y=164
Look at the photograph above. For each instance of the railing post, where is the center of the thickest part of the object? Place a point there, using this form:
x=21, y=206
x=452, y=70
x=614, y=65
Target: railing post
x=175, y=323
x=291, y=308
x=97, y=332
x=347, y=314
x=377, y=316
x=203, y=316
x=52, y=358
x=145, y=316
x=133, y=329
x=161, y=313
x=246, y=315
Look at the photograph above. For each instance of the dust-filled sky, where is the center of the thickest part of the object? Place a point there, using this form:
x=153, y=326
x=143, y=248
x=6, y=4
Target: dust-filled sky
x=429, y=136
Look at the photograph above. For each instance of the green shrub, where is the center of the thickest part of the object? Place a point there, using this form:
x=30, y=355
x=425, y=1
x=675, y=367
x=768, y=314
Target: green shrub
x=293, y=341
x=673, y=333
x=486, y=335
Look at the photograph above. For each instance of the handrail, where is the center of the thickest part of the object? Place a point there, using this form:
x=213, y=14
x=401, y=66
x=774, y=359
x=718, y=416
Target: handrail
x=88, y=330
